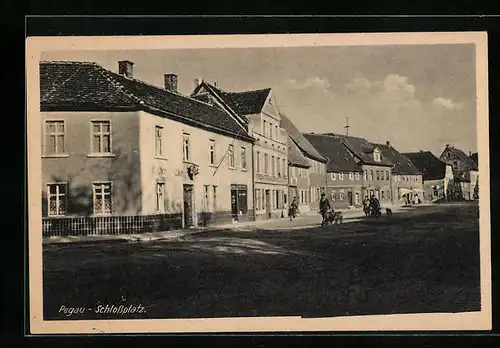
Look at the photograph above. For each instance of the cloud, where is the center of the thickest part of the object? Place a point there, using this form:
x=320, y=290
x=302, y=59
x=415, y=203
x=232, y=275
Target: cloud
x=448, y=104
x=310, y=82
x=359, y=83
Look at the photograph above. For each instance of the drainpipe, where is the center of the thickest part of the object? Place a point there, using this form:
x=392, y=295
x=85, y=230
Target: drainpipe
x=253, y=182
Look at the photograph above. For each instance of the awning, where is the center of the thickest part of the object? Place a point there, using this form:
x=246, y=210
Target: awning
x=418, y=190
x=404, y=191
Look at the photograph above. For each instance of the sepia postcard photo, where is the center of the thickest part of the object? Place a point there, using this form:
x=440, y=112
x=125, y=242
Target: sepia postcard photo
x=258, y=183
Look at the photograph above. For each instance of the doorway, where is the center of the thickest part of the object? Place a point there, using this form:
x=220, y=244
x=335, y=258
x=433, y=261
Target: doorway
x=349, y=197
x=188, y=205
x=268, y=204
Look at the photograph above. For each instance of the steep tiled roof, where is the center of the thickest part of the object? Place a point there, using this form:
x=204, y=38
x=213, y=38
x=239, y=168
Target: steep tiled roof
x=340, y=159
x=451, y=152
x=431, y=166
x=295, y=156
x=362, y=149
x=248, y=102
x=402, y=165
x=77, y=86
x=305, y=146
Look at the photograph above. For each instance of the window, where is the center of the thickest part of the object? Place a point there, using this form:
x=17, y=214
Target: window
x=357, y=176
x=285, y=169
x=212, y=151
x=265, y=129
x=206, y=193
x=214, y=198
x=386, y=175
x=56, y=199
x=334, y=176
x=365, y=175
x=54, y=137
x=357, y=198
x=341, y=176
x=239, y=204
x=275, y=132
x=272, y=165
x=341, y=196
x=302, y=197
x=351, y=176
x=277, y=200
x=266, y=164
x=376, y=155
x=243, y=158
x=257, y=199
x=334, y=195
x=101, y=137
x=160, y=197
x=278, y=165
x=230, y=154
x=378, y=175
x=102, y=198
x=159, y=140
x=455, y=165
x=383, y=194
x=318, y=194
x=371, y=175
x=258, y=162
x=186, y=147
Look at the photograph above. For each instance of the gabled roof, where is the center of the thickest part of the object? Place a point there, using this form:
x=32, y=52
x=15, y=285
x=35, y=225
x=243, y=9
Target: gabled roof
x=431, y=166
x=402, y=165
x=362, y=149
x=339, y=157
x=242, y=103
x=80, y=86
x=452, y=153
x=295, y=156
x=304, y=145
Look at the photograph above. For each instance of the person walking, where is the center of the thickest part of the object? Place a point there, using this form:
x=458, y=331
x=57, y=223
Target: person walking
x=324, y=207
x=292, y=211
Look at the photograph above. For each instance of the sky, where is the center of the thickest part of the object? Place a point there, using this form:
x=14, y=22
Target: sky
x=418, y=97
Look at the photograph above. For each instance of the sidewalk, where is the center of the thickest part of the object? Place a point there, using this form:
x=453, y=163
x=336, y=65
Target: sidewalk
x=349, y=214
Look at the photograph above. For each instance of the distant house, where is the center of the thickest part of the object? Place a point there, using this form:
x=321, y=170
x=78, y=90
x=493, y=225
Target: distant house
x=376, y=167
x=298, y=177
x=259, y=110
x=407, y=180
x=344, y=175
x=316, y=172
x=465, y=171
x=122, y=156
x=437, y=175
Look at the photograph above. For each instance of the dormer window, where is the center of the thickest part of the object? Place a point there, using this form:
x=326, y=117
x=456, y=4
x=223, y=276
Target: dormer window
x=376, y=155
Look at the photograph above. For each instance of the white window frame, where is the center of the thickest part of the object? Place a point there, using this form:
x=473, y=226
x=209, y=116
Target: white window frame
x=214, y=198
x=243, y=161
x=341, y=196
x=357, y=175
x=212, y=154
x=159, y=138
x=57, y=196
x=333, y=176
x=230, y=157
x=351, y=176
x=376, y=155
x=93, y=152
x=357, y=197
x=94, y=197
x=186, y=154
x=160, y=208
x=266, y=163
x=341, y=176
x=258, y=163
x=206, y=198
x=45, y=135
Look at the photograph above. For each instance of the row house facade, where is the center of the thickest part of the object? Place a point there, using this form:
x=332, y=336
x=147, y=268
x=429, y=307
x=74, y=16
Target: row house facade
x=344, y=179
x=406, y=179
x=376, y=179
x=465, y=172
x=259, y=109
x=298, y=177
x=438, y=181
x=316, y=167
x=123, y=156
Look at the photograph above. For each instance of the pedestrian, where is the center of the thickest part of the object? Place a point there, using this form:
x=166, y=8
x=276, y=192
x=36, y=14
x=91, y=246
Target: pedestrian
x=292, y=211
x=324, y=207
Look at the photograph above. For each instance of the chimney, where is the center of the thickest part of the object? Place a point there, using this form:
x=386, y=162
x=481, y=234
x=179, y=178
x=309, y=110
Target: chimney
x=215, y=84
x=126, y=68
x=421, y=150
x=388, y=143
x=470, y=153
x=197, y=82
x=170, y=82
